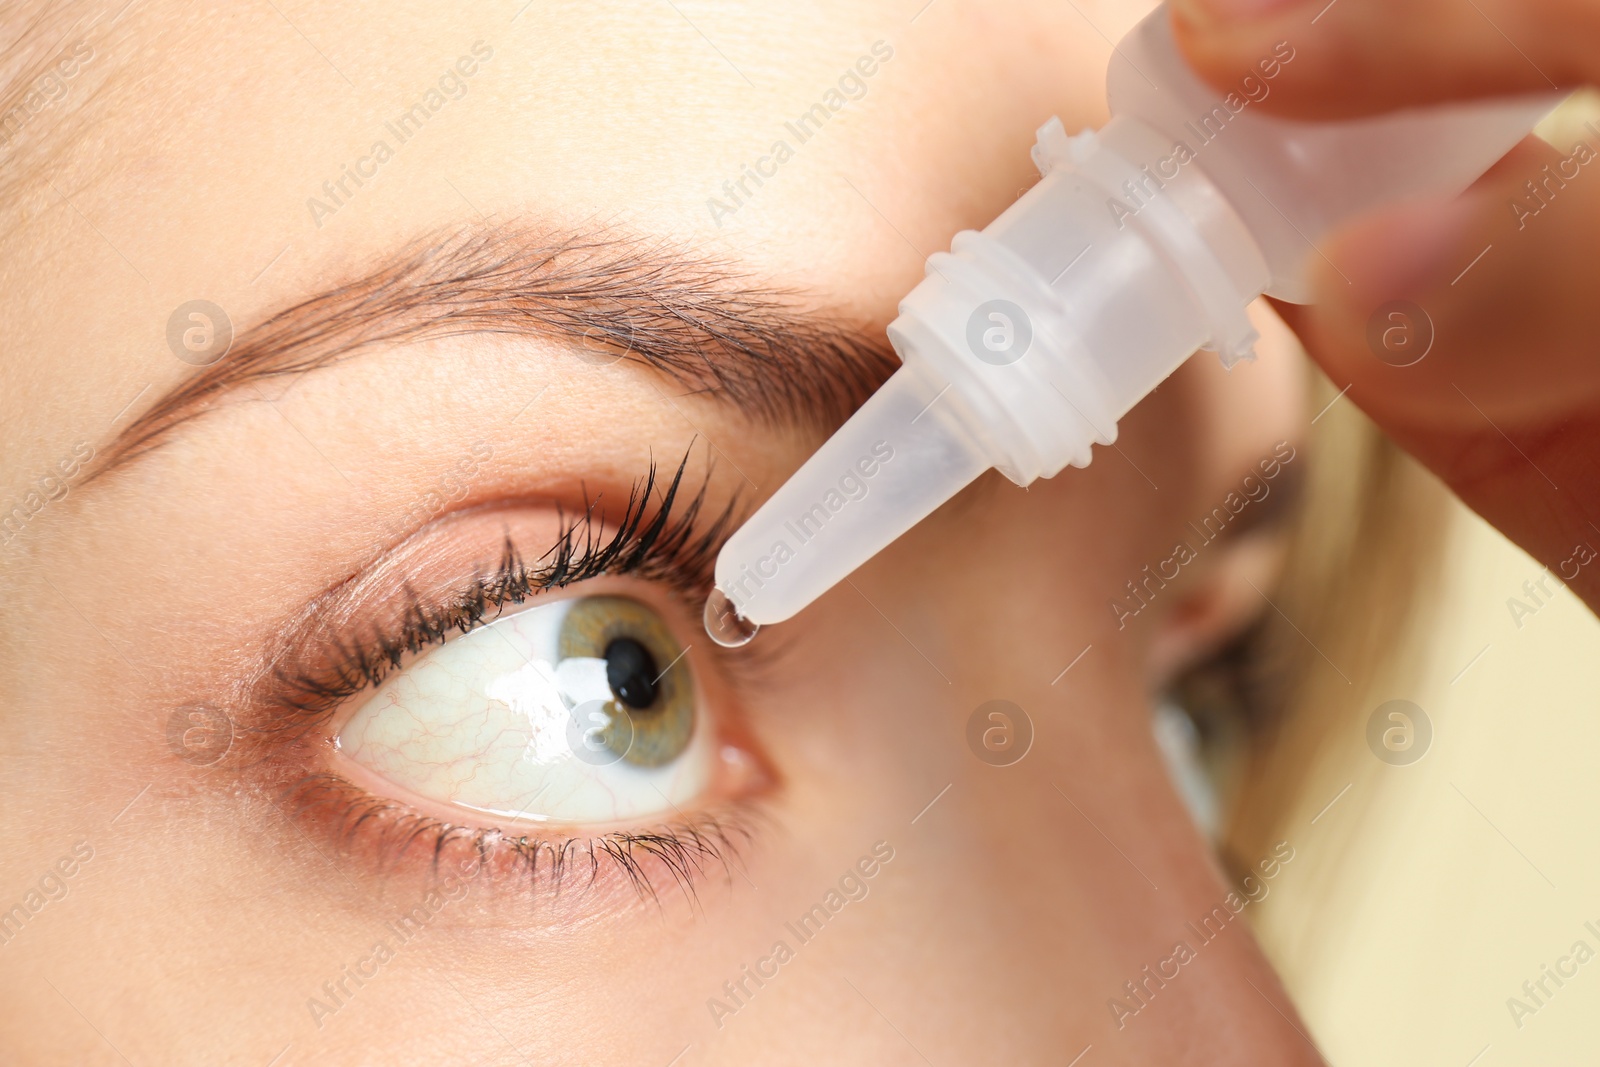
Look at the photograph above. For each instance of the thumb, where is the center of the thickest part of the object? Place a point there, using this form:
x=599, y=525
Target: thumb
x=1355, y=57
x=1467, y=330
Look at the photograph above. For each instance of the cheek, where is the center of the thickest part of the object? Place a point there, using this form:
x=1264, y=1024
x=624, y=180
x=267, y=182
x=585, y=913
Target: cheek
x=1074, y=836
x=992, y=598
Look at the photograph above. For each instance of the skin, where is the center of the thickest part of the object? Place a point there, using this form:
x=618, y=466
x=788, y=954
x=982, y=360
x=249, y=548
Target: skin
x=1014, y=907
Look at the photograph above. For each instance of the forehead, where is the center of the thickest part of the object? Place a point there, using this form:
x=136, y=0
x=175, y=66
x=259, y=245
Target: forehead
x=249, y=159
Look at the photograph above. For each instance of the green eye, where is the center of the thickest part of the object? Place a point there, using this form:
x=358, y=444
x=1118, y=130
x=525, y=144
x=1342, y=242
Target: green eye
x=650, y=687
x=579, y=711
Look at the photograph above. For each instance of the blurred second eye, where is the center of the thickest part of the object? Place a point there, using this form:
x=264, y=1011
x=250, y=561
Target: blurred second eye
x=580, y=711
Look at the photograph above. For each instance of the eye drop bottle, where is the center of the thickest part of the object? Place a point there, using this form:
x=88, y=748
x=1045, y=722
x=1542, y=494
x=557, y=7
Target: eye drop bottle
x=1142, y=242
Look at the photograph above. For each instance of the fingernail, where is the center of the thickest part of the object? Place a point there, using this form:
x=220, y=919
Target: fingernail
x=1232, y=10
x=1405, y=251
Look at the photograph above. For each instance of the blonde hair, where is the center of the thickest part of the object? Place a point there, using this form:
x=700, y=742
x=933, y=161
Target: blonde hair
x=1365, y=552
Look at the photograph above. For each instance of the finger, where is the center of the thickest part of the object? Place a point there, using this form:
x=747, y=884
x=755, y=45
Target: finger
x=1355, y=57
x=1468, y=330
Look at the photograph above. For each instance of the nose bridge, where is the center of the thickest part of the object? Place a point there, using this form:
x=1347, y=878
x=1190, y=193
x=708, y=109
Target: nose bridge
x=1086, y=911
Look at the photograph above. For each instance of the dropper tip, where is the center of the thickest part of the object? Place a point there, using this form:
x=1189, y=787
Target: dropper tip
x=724, y=624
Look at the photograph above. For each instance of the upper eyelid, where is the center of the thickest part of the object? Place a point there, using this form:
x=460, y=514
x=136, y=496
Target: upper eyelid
x=324, y=660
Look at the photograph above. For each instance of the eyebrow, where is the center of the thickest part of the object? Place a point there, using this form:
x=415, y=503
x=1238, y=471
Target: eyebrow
x=702, y=321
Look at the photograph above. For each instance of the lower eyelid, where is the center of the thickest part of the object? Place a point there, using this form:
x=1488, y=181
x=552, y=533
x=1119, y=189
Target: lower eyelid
x=409, y=846
x=614, y=871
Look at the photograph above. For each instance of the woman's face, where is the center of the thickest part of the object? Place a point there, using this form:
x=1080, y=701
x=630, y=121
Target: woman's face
x=256, y=812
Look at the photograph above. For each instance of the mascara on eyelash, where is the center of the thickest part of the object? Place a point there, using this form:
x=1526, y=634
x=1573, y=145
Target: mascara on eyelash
x=667, y=542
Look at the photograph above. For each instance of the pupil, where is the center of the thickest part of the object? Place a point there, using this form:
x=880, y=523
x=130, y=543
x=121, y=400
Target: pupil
x=631, y=672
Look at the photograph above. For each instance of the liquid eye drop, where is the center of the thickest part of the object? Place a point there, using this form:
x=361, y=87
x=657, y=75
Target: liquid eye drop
x=1143, y=242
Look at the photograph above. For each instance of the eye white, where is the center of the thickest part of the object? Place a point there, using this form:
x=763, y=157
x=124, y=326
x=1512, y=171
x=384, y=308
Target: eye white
x=494, y=721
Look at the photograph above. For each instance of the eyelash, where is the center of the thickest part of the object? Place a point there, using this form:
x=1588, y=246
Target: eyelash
x=672, y=547
x=682, y=850
x=667, y=549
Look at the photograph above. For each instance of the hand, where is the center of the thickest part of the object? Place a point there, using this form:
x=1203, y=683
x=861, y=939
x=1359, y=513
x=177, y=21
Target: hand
x=1505, y=407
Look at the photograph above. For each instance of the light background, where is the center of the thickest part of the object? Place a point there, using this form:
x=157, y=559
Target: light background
x=1429, y=893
